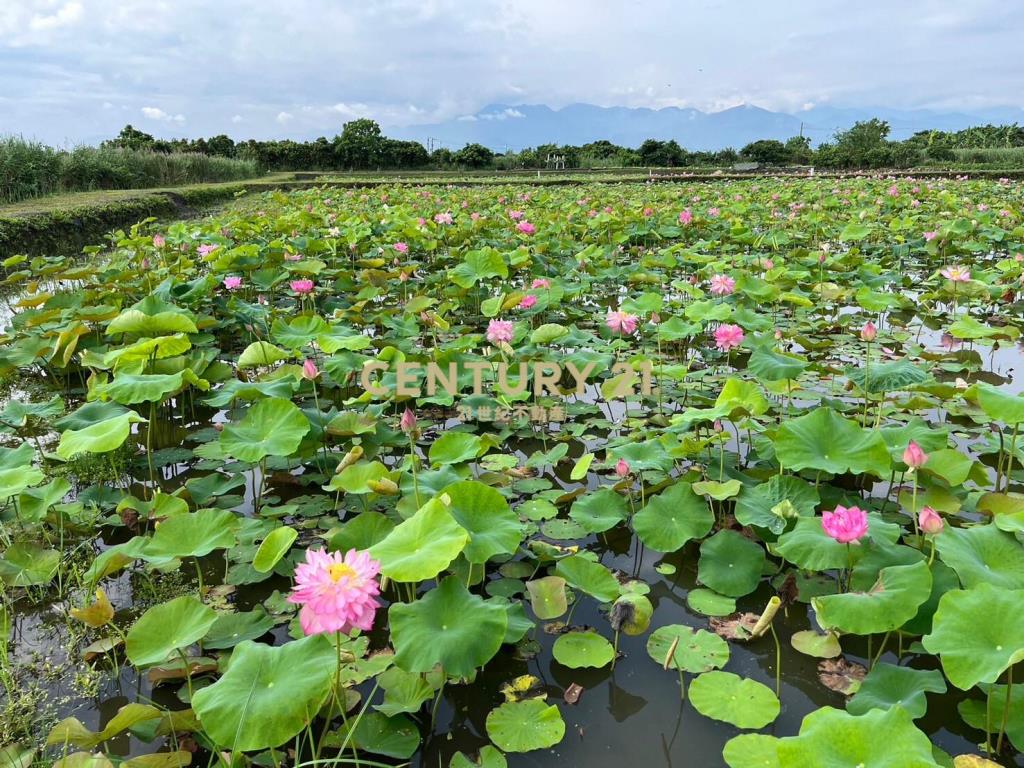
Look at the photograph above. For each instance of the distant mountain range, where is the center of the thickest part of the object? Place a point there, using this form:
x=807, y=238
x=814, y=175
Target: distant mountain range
x=503, y=126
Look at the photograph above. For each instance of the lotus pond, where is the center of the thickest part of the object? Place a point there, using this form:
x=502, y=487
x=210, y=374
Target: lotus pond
x=723, y=473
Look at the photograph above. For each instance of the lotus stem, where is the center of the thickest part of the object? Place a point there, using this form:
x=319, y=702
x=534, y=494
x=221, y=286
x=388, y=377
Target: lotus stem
x=1006, y=709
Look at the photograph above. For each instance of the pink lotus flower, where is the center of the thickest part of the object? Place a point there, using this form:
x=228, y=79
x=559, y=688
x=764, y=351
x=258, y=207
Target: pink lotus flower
x=293, y=257
x=714, y=212
x=685, y=217
x=526, y=227
x=621, y=322
x=301, y=287
x=500, y=331
x=868, y=332
x=847, y=526
x=309, y=370
x=622, y=468
x=408, y=421
x=337, y=593
x=527, y=301
x=443, y=218
x=956, y=274
x=232, y=283
x=728, y=336
x=930, y=521
x=159, y=241
x=207, y=248
x=401, y=247
x=913, y=456
x=722, y=285
x=515, y=215
x=540, y=282
x=648, y=212
x=928, y=236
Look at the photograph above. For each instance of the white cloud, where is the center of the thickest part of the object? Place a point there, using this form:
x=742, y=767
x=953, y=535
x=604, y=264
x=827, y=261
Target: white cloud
x=284, y=117
x=155, y=113
x=66, y=15
x=236, y=119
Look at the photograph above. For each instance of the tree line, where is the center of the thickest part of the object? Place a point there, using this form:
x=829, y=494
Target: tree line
x=362, y=146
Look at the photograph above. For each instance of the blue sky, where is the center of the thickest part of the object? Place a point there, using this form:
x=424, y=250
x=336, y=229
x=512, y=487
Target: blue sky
x=77, y=70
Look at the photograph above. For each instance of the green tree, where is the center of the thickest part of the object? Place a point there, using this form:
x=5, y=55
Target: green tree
x=765, y=152
x=131, y=138
x=474, y=156
x=360, y=144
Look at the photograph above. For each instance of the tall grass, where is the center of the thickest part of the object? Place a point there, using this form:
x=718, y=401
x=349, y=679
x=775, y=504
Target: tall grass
x=30, y=169
x=998, y=157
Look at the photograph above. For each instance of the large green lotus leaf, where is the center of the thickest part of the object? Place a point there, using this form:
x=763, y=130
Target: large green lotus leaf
x=548, y=597
x=751, y=750
x=251, y=390
x=403, y=691
x=732, y=699
x=761, y=505
x=14, y=481
x=888, y=377
x=810, y=548
x=489, y=757
x=730, y=564
x=888, y=605
x=273, y=548
x=421, y=547
x=977, y=633
x=88, y=414
x=455, y=448
x=272, y=427
x=17, y=413
x=978, y=715
x=142, y=351
x=447, y=626
x=356, y=479
x=672, y=518
x=929, y=437
x=268, y=694
x=968, y=327
x=770, y=365
x=299, y=332
x=709, y=602
x=392, y=736
x=521, y=726
x=494, y=529
x=696, y=651
x=738, y=399
x=33, y=503
x=101, y=437
x=193, y=534
x=130, y=388
x=599, y=511
x=888, y=685
x=27, y=564
x=361, y=532
x=983, y=554
x=478, y=265
x=999, y=405
x=166, y=628
x=825, y=441
x=134, y=321
x=261, y=353
x=589, y=577
x=831, y=738
x=230, y=629
x=71, y=730
x=582, y=649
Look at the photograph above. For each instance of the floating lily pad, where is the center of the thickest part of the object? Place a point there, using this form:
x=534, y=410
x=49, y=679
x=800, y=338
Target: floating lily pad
x=732, y=699
x=582, y=649
x=730, y=564
x=522, y=726
x=696, y=650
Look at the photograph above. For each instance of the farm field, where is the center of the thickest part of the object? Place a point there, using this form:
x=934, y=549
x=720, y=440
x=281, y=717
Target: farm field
x=703, y=473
